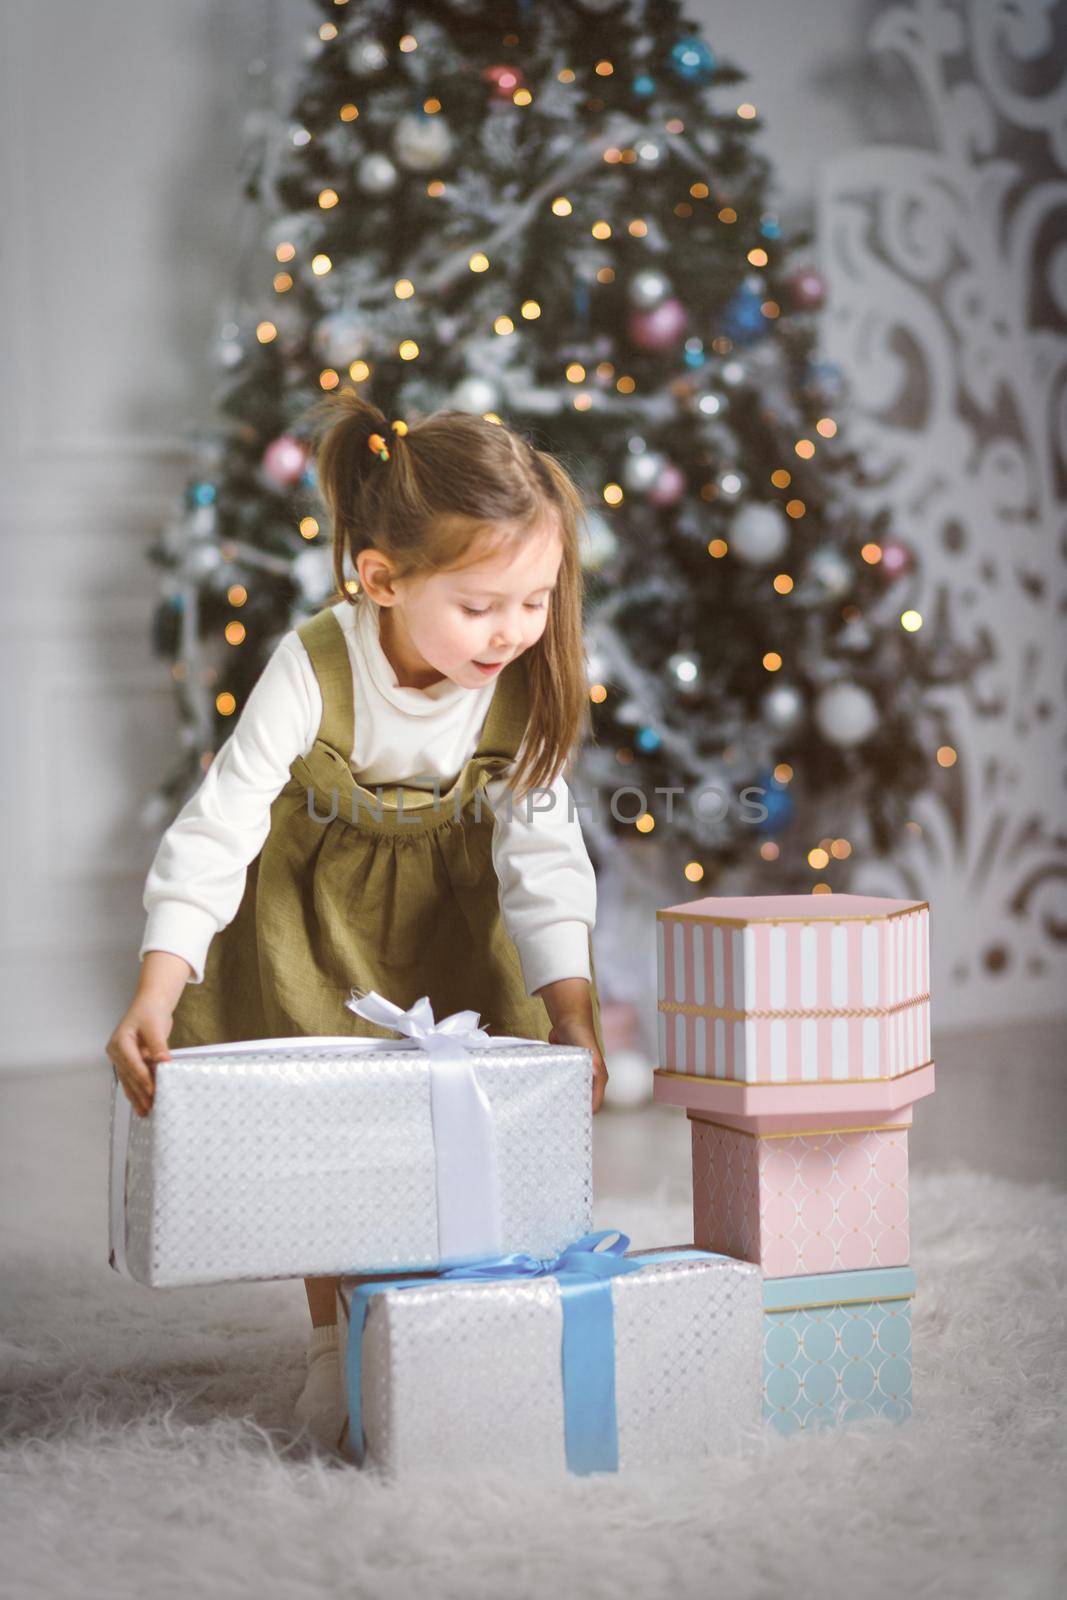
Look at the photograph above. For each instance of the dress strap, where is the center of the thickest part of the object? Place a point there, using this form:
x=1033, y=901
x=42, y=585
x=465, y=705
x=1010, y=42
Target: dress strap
x=509, y=712
x=324, y=640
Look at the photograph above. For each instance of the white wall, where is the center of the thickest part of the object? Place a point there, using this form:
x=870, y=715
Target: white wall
x=120, y=138
x=120, y=154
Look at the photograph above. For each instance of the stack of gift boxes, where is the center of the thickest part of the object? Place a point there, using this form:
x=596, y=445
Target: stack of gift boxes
x=446, y=1177
x=795, y=1031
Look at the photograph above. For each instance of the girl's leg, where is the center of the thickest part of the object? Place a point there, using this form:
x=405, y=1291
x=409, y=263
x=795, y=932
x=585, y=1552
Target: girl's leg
x=321, y=1403
x=322, y=1300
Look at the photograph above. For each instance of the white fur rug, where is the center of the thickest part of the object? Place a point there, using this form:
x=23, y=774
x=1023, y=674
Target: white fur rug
x=148, y=1452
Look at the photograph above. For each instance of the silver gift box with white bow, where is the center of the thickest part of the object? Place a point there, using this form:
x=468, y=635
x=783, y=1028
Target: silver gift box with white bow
x=320, y=1157
x=461, y=1374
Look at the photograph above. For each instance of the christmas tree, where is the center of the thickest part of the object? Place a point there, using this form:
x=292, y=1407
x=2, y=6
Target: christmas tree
x=557, y=215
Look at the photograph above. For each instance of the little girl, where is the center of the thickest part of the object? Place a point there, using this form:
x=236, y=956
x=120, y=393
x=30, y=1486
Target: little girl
x=389, y=811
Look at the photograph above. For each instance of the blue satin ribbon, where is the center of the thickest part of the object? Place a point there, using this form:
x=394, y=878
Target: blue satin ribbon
x=584, y=1272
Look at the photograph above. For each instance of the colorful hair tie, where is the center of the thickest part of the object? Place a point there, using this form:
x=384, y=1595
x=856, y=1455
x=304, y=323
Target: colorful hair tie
x=378, y=444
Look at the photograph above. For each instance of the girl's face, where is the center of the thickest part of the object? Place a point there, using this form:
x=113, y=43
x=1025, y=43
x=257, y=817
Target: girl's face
x=467, y=624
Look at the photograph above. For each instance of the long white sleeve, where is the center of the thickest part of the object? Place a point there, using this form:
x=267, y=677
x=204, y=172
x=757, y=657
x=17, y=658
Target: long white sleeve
x=547, y=891
x=196, y=880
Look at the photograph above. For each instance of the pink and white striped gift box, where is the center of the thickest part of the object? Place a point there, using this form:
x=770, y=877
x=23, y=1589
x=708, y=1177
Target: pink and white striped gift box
x=783, y=989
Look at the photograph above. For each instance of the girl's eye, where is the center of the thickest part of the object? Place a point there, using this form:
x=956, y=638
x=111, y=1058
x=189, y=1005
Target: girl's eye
x=471, y=612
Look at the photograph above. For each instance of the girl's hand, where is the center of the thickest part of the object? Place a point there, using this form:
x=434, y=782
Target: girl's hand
x=576, y=1031
x=139, y=1041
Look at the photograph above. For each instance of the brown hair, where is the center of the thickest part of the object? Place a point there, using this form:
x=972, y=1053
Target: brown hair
x=452, y=482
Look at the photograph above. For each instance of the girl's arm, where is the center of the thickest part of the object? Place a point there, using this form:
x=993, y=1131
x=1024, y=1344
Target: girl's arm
x=196, y=880
x=548, y=903
x=569, y=1004
x=140, y=1039
x=547, y=882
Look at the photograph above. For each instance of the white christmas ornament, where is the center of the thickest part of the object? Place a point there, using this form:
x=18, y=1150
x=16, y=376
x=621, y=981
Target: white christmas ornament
x=845, y=714
x=782, y=707
x=731, y=484
x=476, y=395
x=202, y=560
x=641, y=471
x=648, y=288
x=422, y=142
x=831, y=569
x=366, y=57
x=758, y=534
x=376, y=174
x=340, y=337
x=685, y=668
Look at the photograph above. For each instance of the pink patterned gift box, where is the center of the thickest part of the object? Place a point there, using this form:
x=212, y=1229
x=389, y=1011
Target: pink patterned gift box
x=783, y=989
x=834, y=1200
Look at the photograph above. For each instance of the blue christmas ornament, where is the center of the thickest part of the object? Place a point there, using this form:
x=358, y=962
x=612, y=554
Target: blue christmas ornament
x=692, y=60
x=647, y=740
x=202, y=494
x=742, y=318
x=694, y=353
x=825, y=375
x=310, y=476
x=770, y=227
x=776, y=801
x=644, y=85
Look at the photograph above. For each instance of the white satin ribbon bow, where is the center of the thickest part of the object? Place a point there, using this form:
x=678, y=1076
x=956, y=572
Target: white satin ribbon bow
x=468, y=1179
x=450, y=1037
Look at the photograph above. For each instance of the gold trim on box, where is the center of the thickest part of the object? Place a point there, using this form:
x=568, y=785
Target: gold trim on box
x=788, y=1083
x=828, y=1305
x=666, y=915
x=801, y=1133
x=690, y=1008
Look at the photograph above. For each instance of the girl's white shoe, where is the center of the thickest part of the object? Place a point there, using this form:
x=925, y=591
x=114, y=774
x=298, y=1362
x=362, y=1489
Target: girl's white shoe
x=320, y=1404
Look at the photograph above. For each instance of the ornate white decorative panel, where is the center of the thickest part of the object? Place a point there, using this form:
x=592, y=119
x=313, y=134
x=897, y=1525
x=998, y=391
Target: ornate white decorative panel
x=946, y=260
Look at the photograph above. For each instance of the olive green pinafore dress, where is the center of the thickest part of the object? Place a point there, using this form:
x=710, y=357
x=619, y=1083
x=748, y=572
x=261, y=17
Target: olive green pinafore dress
x=378, y=889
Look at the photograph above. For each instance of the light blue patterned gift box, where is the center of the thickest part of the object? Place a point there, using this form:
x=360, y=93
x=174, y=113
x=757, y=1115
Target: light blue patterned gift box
x=837, y=1347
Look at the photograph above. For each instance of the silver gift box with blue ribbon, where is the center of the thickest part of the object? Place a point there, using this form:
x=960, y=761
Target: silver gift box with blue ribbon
x=595, y=1361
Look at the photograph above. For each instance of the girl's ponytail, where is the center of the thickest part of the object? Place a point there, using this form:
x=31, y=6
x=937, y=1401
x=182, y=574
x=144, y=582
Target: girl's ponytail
x=348, y=470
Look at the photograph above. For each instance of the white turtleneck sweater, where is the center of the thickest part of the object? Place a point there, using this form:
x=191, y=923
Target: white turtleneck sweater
x=547, y=888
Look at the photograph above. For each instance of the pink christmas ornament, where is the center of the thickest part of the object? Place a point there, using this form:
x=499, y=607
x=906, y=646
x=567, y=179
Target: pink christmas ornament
x=660, y=327
x=505, y=80
x=896, y=559
x=668, y=488
x=284, y=461
x=808, y=289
